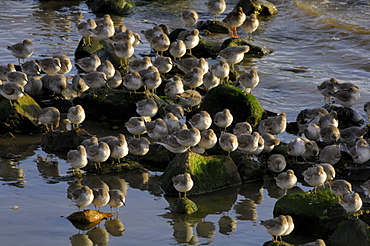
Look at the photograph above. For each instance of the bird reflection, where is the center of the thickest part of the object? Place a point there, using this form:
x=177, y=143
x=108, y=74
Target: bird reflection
x=183, y=232
x=9, y=171
x=98, y=236
x=206, y=229
x=253, y=190
x=94, y=181
x=273, y=190
x=81, y=240
x=246, y=209
x=226, y=225
x=72, y=186
x=114, y=227
x=48, y=166
x=115, y=182
x=138, y=179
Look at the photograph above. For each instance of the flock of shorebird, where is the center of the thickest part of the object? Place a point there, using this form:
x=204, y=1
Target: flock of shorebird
x=176, y=133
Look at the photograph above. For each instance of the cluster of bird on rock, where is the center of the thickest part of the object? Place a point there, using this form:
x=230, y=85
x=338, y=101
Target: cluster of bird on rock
x=176, y=133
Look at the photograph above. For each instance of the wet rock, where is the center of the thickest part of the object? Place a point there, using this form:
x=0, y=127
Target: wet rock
x=243, y=106
x=347, y=116
x=212, y=27
x=183, y=206
x=351, y=232
x=119, y=7
x=63, y=141
x=253, y=49
x=88, y=216
x=248, y=169
x=261, y=7
x=313, y=214
x=22, y=117
x=111, y=167
x=209, y=173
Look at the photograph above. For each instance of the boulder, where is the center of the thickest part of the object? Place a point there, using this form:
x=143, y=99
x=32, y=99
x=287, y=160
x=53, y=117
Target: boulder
x=63, y=140
x=259, y=7
x=88, y=216
x=209, y=173
x=19, y=116
x=253, y=49
x=111, y=167
x=183, y=206
x=243, y=106
x=119, y=7
x=351, y=232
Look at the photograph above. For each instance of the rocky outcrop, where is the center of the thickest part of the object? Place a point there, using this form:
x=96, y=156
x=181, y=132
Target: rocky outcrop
x=119, y=7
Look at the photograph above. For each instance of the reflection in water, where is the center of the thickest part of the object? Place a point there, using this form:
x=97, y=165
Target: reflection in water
x=226, y=225
x=273, y=190
x=138, y=179
x=247, y=210
x=253, y=191
x=93, y=181
x=9, y=172
x=115, y=227
x=81, y=240
x=115, y=182
x=183, y=232
x=48, y=166
x=98, y=236
x=72, y=186
x=206, y=229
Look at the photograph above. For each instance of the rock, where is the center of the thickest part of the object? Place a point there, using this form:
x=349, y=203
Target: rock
x=212, y=27
x=259, y=7
x=351, y=232
x=347, y=116
x=88, y=216
x=108, y=167
x=119, y=7
x=313, y=214
x=22, y=117
x=63, y=141
x=243, y=106
x=248, y=169
x=183, y=206
x=209, y=173
x=253, y=49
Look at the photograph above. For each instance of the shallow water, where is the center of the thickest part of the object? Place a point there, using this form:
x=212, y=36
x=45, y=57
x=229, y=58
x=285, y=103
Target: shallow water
x=327, y=38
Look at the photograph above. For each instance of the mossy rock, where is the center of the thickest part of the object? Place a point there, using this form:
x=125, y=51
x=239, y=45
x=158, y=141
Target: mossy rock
x=119, y=7
x=243, y=106
x=258, y=7
x=64, y=140
x=209, y=173
x=351, y=232
x=313, y=214
x=88, y=216
x=114, y=167
x=22, y=116
x=253, y=49
x=183, y=206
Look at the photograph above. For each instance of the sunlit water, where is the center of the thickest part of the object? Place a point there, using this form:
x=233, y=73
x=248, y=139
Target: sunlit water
x=327, y=38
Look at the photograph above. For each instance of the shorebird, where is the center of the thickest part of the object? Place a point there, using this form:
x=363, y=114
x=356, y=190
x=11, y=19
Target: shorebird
x=132, y=81
x=22, y=50
x=173, y=88
x=123, y=51
x=366, y=109
x=163, y=64
x=17, y=77
x=340, y=187
x=160, y=43
x=65, y=62
x=248, y=143
x=190, y=98
x=330, y=119
x=34, y=86
x=208, y=139
x=177, y=49
x=103, y=31
x=98, y=152
x=116, y=199
x=349, y=135
x=270, y=142
x=290, y=226
x=221, y=70
x=361, y=152
x=188, y=137
x=11, y=91
x=234, y=54
x=276, y=163
x=315, y=176
x=296, y=148
x=201, y=120
x=50, y=65
x=122, y=37
x=250, y=25
x=89, y=64
x=312, y=149
x=176, y=109
x=140, y=64
x=101, y=197
x=233, y=20
x=146, y=107
x=95, y=80
x=79, y=85
x=84, y=29
x=216, y=7
x=210, y=81
x=190, y=38
x=276, y=226
x=228, y=142
x=223, y=119
x=152, y=81
x=311, y=131
x=116, y=80
x=187, y=64
x=31, y=68
x=329, y=134
x=183, y=183
x=157, y=129
x=82, y=196
x=352, y=202
x=329, y=170
x=5, y=69
x=326, y=87
x=347, y=97
x=286, y=180
x=136, y=126
x=193, y=79
x=273, y=125
x=107, y=68
x=249, y=80
x=172, y=122
x=318, y=242
x=118, y=147
x=172, y=145
x=149, y=34
x=56, y=83
x=76, y=115
x=330, y=154
x=77, y=158
x=138, y=146
x=242, y=128
x=189, y=17
x=366, y=187
x=49, y=116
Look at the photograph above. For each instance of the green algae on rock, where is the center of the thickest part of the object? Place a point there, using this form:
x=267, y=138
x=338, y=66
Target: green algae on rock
x=109, y=167
x=119, y=7
x=183, y=206
x=209, y=173
x=63, y=141
x=253, y=49
x=313, y=214
x=243, y=106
